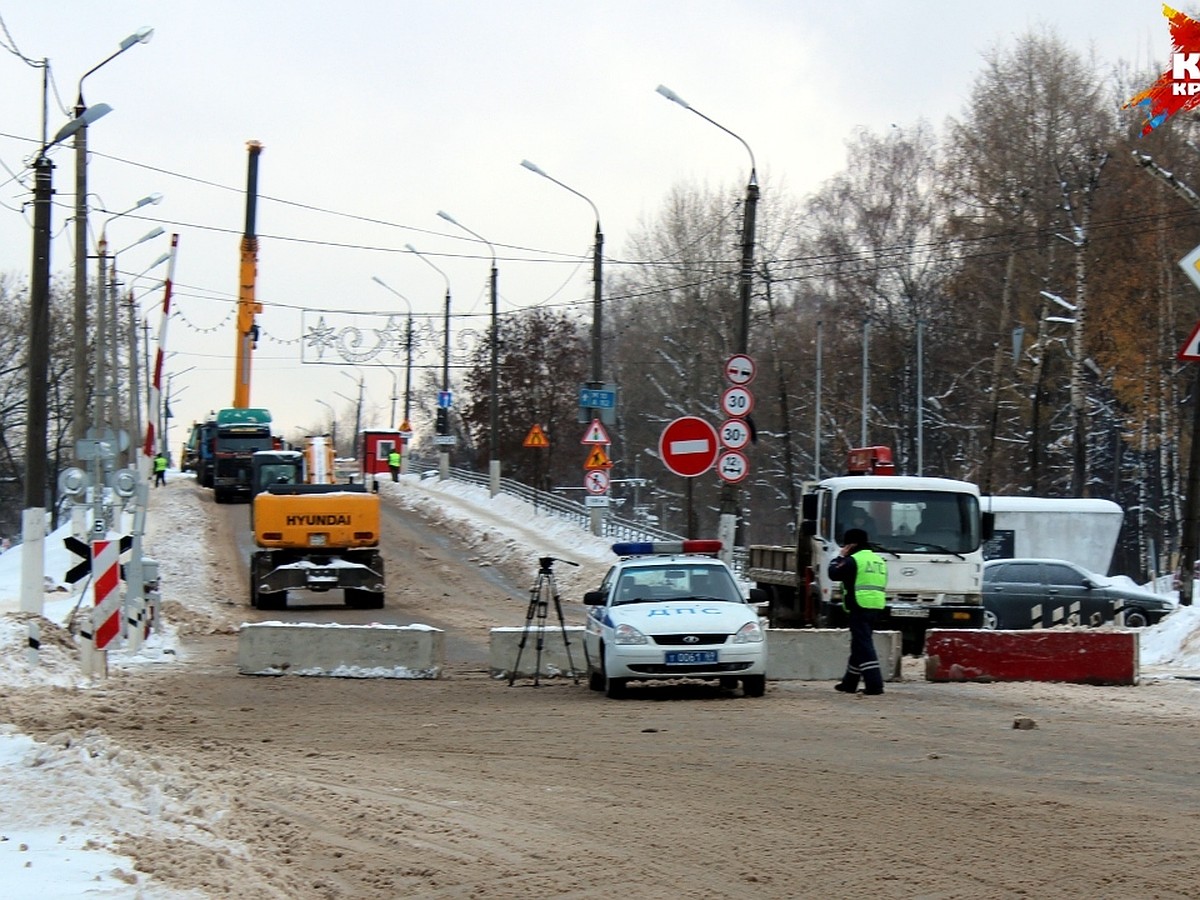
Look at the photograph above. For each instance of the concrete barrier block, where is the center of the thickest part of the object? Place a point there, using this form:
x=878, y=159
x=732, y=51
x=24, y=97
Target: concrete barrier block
x=820, y=654
x=1075, y=656
x=347, y=651
x=505, y=645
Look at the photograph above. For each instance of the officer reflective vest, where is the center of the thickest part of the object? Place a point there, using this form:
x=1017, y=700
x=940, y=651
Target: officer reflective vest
x=394, y=459
x=160, y=464
x=870, y=580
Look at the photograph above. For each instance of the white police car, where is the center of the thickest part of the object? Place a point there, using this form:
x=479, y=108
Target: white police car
x=665, y=610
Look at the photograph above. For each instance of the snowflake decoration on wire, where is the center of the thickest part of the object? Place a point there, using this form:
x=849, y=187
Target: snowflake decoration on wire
x=321, y=337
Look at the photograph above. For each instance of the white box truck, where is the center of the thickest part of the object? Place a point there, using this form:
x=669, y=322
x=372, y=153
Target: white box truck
x=1082, y=531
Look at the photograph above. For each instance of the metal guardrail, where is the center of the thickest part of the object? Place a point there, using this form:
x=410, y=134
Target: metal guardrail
x=613, y=527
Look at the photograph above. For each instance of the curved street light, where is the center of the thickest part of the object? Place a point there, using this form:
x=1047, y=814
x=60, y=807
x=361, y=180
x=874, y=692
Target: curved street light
x=79, y=396
x=494, y=417
x=442, y=429
x=33, y=517
x=408, y=345
x=597, y=264
x=729, y=490
x=106, y=315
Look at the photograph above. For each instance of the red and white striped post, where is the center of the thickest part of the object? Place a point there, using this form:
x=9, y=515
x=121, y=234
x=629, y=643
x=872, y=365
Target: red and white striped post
x=156, y=382
x=106, y=613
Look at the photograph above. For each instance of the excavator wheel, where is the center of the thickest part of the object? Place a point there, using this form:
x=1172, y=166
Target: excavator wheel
x=357, y=598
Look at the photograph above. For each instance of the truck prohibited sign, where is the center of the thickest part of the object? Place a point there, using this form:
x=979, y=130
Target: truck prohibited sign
x=733, y=466
x=737, y=402
x=734, y=434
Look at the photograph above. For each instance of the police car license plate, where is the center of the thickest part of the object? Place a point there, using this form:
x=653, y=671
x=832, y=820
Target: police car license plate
x=690, y=657
x=909, y=612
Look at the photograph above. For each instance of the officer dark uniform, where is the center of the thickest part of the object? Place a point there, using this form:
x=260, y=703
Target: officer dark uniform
x=394, y=464
x=863, y=574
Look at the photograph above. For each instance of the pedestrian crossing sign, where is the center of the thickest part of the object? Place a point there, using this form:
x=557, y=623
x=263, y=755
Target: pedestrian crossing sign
x=536, y=437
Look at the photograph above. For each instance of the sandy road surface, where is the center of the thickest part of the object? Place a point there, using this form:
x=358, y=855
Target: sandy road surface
x=465, y=787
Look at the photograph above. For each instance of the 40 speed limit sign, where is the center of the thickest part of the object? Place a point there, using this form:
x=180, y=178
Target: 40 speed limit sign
x=733, y=466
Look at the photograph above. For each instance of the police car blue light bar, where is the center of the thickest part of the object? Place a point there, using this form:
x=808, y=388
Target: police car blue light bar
x=652, y=548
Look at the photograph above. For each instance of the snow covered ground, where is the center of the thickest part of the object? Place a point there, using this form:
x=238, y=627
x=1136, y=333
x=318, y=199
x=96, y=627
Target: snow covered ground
x=66, y=801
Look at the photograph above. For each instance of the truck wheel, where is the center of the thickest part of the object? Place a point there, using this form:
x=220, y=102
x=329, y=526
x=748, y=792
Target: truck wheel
x=253, y=587
x=754, y=685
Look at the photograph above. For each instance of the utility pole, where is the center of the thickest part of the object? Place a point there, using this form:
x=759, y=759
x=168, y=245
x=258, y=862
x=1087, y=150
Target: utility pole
x=1191, y=501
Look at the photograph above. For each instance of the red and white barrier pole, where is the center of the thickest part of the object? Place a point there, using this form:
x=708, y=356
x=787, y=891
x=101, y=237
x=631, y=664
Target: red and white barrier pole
x=156, y=382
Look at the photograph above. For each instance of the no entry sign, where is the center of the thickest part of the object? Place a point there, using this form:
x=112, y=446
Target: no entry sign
x=688, y=446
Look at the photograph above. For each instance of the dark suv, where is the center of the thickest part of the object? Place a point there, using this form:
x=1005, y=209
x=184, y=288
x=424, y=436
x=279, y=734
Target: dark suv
x=1041, y=593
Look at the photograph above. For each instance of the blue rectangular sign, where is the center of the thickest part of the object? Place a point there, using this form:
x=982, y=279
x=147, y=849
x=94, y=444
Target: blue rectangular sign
x=597, y=399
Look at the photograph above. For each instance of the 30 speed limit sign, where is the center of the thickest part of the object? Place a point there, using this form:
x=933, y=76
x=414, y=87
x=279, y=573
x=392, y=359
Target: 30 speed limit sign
x=733, y=466
x=737, y=402
x=734, y=434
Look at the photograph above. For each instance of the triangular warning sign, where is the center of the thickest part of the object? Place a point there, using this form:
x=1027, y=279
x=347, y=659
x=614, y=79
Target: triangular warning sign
x=536, y=437
x=598, y=459
x=595, y=434
x=1190, y=352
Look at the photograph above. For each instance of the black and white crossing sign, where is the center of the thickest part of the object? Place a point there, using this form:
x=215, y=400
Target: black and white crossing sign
x=734, y=434
x=737, y=402
x=733, y=466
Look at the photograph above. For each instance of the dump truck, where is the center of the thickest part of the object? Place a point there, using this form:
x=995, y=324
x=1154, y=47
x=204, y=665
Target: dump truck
x=312, y=534
x=237, y=436
x=929, y=530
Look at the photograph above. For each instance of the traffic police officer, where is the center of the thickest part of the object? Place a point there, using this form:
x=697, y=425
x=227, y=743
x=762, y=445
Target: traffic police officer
x=863, y=574
x=394, y=464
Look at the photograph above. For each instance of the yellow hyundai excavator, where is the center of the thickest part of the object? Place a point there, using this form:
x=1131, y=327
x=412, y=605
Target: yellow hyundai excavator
x=310, y=532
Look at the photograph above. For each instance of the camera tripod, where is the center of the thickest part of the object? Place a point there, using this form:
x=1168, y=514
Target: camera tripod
x=543, y=591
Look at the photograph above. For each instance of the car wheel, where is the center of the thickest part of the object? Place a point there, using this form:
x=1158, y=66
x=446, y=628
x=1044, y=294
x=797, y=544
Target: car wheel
x=754, y=685
x=991, y=621
x=1136, y=618
x=614, y=688
x=595, y=677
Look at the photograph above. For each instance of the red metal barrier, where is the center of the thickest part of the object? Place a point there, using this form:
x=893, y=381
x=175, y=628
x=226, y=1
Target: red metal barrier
x=1079, y=657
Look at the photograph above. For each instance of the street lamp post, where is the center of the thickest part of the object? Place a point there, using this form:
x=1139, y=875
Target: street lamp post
x=135, y=414
x=79, y=395
x=332, y=422
x=443, y=414
x=408, y=344
x=727, y=529
x=106, y=311
x=596, y=513
x=494, y=418
x=33, y=518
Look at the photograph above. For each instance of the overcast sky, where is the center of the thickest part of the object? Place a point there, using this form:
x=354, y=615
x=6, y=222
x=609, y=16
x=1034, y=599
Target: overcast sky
x=380, y=113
